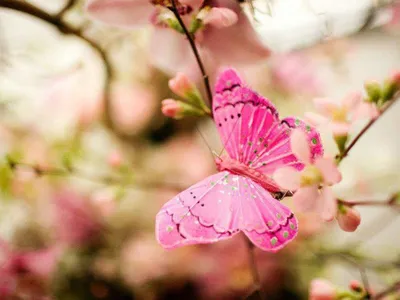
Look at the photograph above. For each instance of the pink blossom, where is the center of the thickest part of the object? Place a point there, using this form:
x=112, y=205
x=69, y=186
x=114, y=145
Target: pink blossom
x=341, y=115
x=226, y=37
x=321, y=289
x=295, y=73
x=132, y=107
x=76, y=221
x=349, y=219
x=115, y=159
x=220, y=17
x=171, y=108
x=312, y=184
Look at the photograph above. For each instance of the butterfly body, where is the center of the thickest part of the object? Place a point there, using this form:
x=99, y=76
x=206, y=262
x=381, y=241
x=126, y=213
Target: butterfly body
x=235, y=167
x=238, y=197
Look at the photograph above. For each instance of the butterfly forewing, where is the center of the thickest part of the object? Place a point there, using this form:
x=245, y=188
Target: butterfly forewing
x=251, y=130
x=219, y=207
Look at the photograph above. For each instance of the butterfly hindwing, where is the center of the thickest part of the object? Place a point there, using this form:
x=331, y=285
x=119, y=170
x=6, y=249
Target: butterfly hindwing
x=219, y=207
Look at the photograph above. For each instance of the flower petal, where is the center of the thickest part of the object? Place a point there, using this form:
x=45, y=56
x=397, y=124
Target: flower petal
x=300, y=146
x=122, y=13
x=329, y=170
x=229, y=47
x=305, y=199
x=352, y=100
x=171, y=53
x=327, y=204
x=325, y=106
x=287, y=178
x=315, y=119
x=340, y=128
x=366, y=110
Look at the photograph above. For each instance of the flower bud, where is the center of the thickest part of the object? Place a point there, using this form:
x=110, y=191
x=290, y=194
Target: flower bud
x=115, y=159
x=373, y=89
x=356, y=286
x=322, y=289
x=220, y=17
x=178, y=109
x=171, y=108
x=348, y=218
x=181, y=85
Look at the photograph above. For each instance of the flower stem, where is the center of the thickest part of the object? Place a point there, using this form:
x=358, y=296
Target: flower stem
x=346, y=151
x=391, y=201
x=192, y=43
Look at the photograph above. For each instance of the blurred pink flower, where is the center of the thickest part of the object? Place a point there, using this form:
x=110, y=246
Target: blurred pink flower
x=132, y=107
x=17, y=265
x=321, y=289
x=115, y=159
x=226, y=39
x=143, y=260
x=349, y=219
x=309, y=195
x=295, y=73
x=76, y=221
x=181, y=84
x=341, y=115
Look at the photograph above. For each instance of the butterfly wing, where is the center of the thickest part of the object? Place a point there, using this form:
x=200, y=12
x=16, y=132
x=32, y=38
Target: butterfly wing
x=219, y=207
x=251, y=130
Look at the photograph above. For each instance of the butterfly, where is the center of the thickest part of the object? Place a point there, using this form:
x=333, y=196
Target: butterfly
x=240, y=196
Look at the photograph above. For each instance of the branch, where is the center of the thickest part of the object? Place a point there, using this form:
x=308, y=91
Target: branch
x=391, y=201
x=78, y=173
x=346, y=151
x=68, y=6
x=393, y=288
x=192, y=43
x=64, y=28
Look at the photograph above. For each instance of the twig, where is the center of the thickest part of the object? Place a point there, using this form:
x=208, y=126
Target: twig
x=192, y=43
x=389, y=202
x=365, y=129
x=393, y=288
x=64, y=28
x=78, y=173
x=253, y=268
x=67, y=6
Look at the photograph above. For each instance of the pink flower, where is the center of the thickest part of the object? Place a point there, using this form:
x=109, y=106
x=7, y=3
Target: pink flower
x=294, y=73
x=312, y=184
x=115, y=159
x=220, y=17
x=226, y=37
x=340, y=115
x=76, y=221
x=322, y=289
x=348, y=218
x=132, y=107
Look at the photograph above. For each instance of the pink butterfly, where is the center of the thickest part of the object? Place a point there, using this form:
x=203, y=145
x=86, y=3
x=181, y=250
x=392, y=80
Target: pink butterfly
x=239, y=198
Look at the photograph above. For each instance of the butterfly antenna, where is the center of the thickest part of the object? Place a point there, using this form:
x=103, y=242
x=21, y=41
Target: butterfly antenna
x=205, y=141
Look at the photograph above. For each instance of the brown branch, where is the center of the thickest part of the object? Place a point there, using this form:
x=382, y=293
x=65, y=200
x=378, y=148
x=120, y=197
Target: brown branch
x=64, y=28
x=68, y=5
x=192, y=43
x=389, y=104
x=392, y=289
x=391, y=201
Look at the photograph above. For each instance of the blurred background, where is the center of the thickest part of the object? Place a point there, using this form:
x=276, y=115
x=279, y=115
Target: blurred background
x=85, y=166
